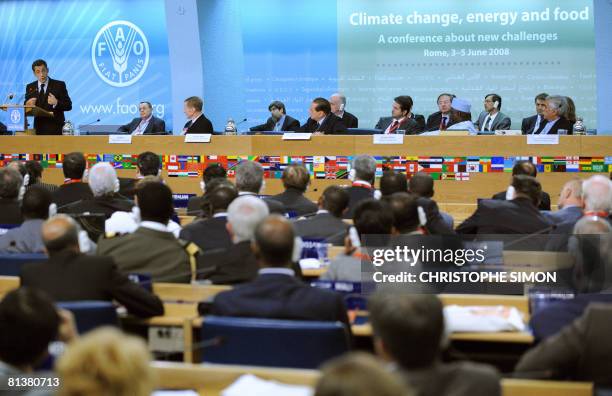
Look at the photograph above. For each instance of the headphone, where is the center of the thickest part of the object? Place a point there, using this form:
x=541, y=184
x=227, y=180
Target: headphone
x=85, y=173
x=22, y=189
x=352, y=174
x=422, y=216
x=202, y=186
x=296, y=253
x=116, y=189
x=341, y=107
x=52, y=210
x=510, y=193
x=354, y=237
x=496, y=104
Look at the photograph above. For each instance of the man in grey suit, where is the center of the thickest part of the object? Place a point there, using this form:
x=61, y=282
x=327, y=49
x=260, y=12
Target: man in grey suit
x=492, y=119
x=408, y=331
x=327, y=224
x=27, y=237
x=570, y=203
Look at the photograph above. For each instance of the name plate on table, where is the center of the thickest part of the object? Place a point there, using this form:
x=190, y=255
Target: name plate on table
x=120, y=139
x=297, y=136
x=542, y=139
x=391, y=138
x=198, y=138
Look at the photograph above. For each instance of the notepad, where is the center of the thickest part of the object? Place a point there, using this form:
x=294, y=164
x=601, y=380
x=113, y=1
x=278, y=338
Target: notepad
x=251, y=385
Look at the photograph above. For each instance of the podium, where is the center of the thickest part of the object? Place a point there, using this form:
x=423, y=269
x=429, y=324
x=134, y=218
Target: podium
x=18, y=114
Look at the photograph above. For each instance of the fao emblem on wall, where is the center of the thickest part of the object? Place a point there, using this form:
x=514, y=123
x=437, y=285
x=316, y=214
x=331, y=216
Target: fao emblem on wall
x=120, y=53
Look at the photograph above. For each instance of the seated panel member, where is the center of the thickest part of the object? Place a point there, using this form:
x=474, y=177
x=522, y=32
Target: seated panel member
x=322, y=121
x=146, y=124
x=461, y=116
x=555, y=107
x=492, y=118
x=532, y=123
x=198, y=123
x=440, y=120
x=279, y=120
x=338, y=103
x=400, y=117
x=50, y=95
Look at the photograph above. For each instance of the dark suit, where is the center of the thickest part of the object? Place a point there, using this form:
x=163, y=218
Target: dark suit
x=295, y=201
x=420, y=120
x=201, y=125
x=274, y=206
x=289, y=124
x=70, y=276
x=322, y=226
x=434, y=120
x=580, y=352
x=454, y=379
x=10, y=211
x=71, y=192
x=106, y=205
x=566, y=215
x=277, y=296
x=493, y=216
x=544, y=199
x=350, y=120
x=50, y=125
x=356, y=195
x=126, y=187
x=561, y=123
x=208, y=234
x=332, y=125
x=409, y=125
x=528, y=124
x=155, y=126
x=2, y=128
x=234, y=264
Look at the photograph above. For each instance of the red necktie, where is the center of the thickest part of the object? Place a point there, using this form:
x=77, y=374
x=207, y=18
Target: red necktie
x=443, y=124
x=394, y=126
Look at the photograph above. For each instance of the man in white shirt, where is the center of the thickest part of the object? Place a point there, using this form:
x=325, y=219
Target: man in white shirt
x=146, y=124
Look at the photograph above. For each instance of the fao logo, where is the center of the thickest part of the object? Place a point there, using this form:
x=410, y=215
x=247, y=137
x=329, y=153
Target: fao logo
x=120, y=53
x=15, y=116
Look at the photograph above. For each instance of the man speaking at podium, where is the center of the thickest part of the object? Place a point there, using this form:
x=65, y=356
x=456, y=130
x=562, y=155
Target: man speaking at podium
x=50, y=95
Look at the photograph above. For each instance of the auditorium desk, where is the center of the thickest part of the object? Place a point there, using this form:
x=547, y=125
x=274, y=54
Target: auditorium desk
x=211, y=379
x=480, y=184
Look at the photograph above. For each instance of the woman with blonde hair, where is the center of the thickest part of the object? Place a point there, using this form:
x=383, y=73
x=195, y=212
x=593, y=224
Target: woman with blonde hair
x=359, y=374
x=106, y=362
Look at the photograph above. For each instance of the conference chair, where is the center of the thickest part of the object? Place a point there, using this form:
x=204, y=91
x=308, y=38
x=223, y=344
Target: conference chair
x=271, y=342
x=11, y=263
x=91, y=314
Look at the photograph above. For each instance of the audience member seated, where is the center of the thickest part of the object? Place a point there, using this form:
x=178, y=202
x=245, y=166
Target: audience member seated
x=35, y=171
x=152, y=249
x=106, y=199
x=404, y=208
x=250, y=181
x=590, y=245
x=147, y=163
x=401, y=118
x=212, y=171
x=409, y=333
x=440, y=120
x=278, y=121
x=276, y=293
x=392, y=182
x=29, y=322
x=69, y=275
x=338, y=104
x=372, y=217
x=237, y=263
x=359, y=374
x=327, y=223
x=10, y=185
x=524, y=167
x=73, y=189
x=519, y=215
x=422, y=185
x=106, y=362
x=27, y=237
x=580, y=352
x=296, y=179
x=211, y=232
x=322, y=121
x=570, y=204
x=362, y=174
x=597, y=197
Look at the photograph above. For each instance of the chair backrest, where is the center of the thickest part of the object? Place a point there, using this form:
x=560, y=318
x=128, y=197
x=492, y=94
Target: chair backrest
x=91, y=314
x=272, y=342
x=11, y=263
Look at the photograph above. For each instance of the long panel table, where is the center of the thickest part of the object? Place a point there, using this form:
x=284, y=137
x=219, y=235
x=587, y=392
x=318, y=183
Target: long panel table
x=481, y=183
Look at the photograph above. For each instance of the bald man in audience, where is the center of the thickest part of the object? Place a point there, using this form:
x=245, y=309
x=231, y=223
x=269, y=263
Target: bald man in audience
x=296, y=180
x=69, y=275
x=275, y=293
x=569, y=204
x=409, y=334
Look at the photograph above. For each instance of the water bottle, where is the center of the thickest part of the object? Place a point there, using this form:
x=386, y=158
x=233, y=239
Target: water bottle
x=579, y=128
x=230, y=127
x=68, y=129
